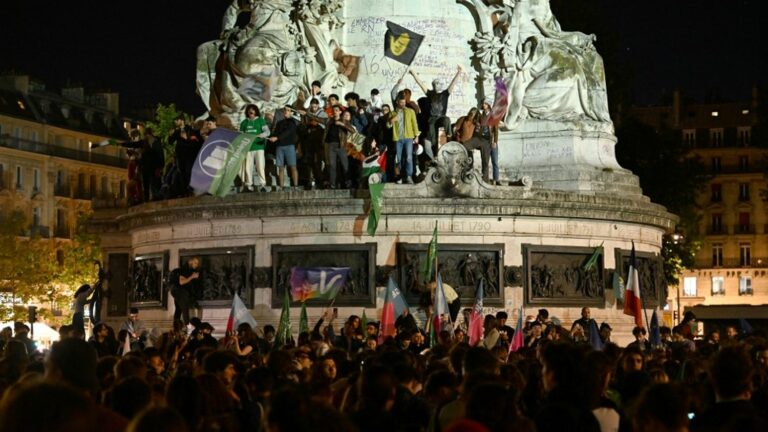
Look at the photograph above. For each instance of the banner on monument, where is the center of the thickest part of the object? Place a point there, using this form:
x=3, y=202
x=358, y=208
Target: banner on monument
x=401, y=44
x=317, y=282
x=218, y=162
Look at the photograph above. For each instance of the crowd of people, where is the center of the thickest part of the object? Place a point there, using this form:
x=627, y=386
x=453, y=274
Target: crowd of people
x=346, y=377
x=323, y=142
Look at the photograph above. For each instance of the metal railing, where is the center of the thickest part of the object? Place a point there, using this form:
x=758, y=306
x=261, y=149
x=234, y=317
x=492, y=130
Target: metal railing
x=60, y=151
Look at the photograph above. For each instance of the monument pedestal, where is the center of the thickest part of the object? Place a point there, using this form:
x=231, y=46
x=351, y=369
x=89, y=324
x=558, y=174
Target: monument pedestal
x=571, y=156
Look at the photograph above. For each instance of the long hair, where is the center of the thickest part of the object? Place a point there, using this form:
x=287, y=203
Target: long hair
x=252, y=107
x=82, y=289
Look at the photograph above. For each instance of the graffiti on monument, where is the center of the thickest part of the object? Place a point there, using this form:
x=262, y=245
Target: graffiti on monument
x=560, y=276
x=360, y=287
x=147, y=287
x=650, y=273
x=461, y=266
x=223, y=271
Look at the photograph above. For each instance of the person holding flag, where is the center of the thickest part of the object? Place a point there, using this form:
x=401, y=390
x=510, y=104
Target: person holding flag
x=475, y=328
x=394, y=306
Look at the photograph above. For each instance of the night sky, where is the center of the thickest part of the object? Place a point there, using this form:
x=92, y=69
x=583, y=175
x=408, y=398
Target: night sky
x=146, y=49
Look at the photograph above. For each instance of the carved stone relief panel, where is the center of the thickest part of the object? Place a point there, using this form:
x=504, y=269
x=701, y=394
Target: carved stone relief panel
x=223, y=271
x=559, y=276
x=650, y=272
x=147, y=286
x=360, y=288
x=461, y=266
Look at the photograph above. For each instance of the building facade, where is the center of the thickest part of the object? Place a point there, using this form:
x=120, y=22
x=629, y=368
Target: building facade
x=731, y=268
x=47, y=167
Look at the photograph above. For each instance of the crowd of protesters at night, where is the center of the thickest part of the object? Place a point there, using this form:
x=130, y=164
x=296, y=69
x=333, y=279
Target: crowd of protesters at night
x=323, y=142
x=343, y=376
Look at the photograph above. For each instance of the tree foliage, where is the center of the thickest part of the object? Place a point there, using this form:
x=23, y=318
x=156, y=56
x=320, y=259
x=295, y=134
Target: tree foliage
x=36, y=270
x=163, y=124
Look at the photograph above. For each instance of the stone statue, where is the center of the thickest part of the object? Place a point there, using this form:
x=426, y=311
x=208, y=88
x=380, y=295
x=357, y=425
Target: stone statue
x=270, y=61
x=550, y=74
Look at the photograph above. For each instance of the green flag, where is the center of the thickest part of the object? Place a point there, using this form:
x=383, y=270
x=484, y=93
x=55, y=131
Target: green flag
x=593, y=259
x=431, y=256
x=363, y=321
x=303, y=321
x=375, y=213
x=284, y=328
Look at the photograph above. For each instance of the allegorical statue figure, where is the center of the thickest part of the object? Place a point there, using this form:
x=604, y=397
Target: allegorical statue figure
x=550, y=74
x=272, y=59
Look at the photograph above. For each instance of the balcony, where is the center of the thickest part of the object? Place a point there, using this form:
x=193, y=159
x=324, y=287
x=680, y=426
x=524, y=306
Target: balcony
x=755, y=262
x=38, y=230
x=61, y=190
x=61, y=232
x=716, y=230
x=63, y=152
x=744, y=229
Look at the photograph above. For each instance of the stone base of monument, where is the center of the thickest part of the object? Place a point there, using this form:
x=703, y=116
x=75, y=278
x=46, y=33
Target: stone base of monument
x=576, y=156
x=528, y=244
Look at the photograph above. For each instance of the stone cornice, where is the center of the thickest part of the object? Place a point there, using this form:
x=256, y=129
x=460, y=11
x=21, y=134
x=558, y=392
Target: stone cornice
x=399, y=200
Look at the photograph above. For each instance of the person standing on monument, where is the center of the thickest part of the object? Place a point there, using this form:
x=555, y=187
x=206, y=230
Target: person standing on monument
x=438, y=98
x=286, y=136
x=405, y=132
x=491, y=134
x=256, y=125
x=185, y=287
x=312, y=154
x=469, y=132
x=335, y=135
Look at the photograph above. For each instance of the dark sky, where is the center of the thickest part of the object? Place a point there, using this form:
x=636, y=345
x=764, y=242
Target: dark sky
x=146, y=49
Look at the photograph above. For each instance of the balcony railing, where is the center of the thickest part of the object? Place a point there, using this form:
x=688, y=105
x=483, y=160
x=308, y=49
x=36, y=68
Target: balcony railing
x=61, y=190
x=744, y=229
x=62, y=152
x=38, y=230
x=716, y=230
x=61, y=232
x=755, y=262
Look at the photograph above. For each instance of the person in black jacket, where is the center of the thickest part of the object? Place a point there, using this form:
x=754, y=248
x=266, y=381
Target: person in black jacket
x=285, y=136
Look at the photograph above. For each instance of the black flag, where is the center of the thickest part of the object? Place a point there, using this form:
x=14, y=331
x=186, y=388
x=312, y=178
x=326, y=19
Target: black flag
x=401, y=44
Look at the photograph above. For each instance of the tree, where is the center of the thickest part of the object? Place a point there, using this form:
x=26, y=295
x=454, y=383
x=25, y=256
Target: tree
x=164, y=124
x=42, y=271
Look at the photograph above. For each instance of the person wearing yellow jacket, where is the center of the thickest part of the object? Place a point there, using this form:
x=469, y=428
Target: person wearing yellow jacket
x=405, y=132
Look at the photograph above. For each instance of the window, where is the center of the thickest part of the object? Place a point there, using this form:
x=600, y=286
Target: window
x=744, y=136
x=2, y=176
x=745, y=285
x=717, y=223
x=715, y=164
x=717, y=192
x=745, y=254
x=92, y=186
x=33, y=136
x=104, y=186
x=35, y=180
x=123, y=187
x=689, y=287
x=744, y=226
x=81, y=184
x=17, y=132
x=36, y=216
x=19, y=177
x=717, y=255
x=743, y=163
x=689, y=137
x=716, y=137
x=743, y=191
x=718, y=285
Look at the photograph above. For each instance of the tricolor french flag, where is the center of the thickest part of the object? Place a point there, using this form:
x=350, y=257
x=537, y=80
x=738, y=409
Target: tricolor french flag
x=633, y=304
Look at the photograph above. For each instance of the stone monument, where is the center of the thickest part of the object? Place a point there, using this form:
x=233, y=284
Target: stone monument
x=565, y=198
